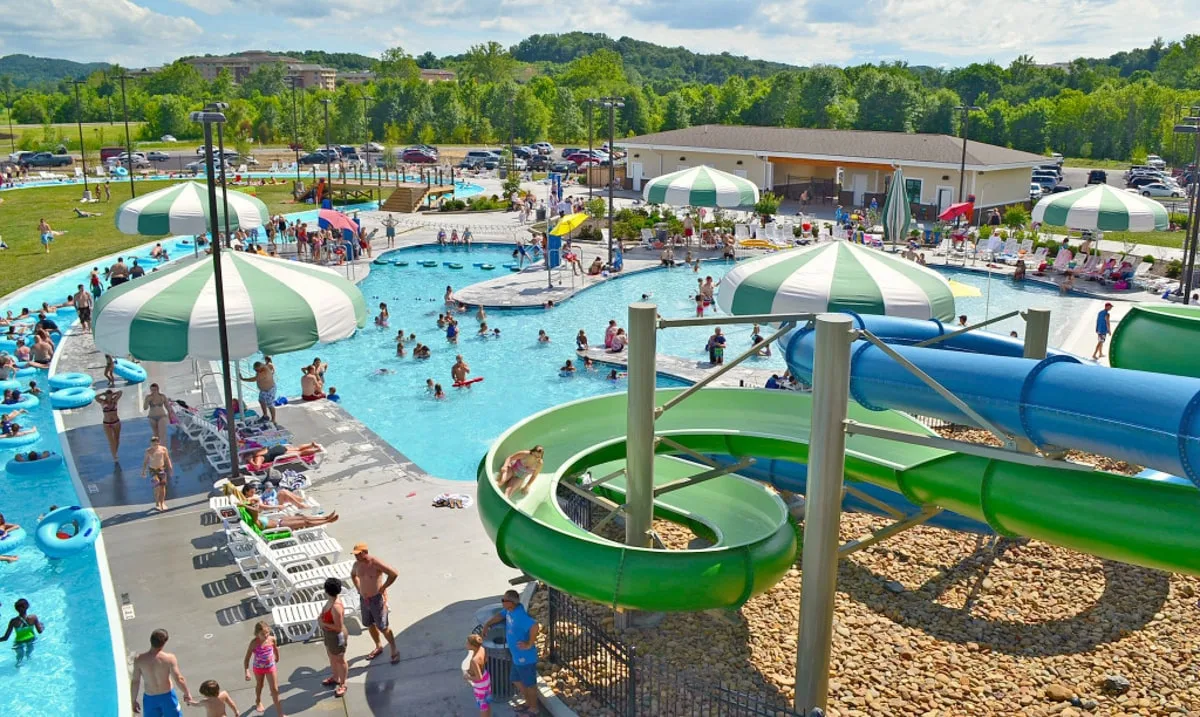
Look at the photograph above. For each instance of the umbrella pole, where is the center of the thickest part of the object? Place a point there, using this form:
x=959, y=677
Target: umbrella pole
x=222, y=330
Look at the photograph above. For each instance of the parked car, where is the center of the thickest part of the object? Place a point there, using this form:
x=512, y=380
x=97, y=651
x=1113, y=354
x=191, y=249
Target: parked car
x=1140, y=180
x=374, y=148
x=157, y=156
x=1035, y=191
x=1059, y=188
x=20, y=156
x=45, y=159
x=167, y=138
x=1057, y=157
x=1160, y=189
x=568, y=151
x=1156, y=161
x=140, y=160
x=200, y=150
x=539, y=162
x=564, y=167
x=1097, y=176
x=1050, y=168
x=544, y=148
x=413, y=155
x=315, y=158
x=485, y=158
x=1047, y=183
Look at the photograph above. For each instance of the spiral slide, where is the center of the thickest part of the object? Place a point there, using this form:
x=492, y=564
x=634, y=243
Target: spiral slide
x=1140, y=521
x=1158, y=337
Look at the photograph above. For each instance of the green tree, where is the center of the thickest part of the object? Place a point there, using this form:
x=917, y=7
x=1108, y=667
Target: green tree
x=821, y=90
x=677, y=114
x=734, y=100
x=566, y=119
x=976, y=79
x=30, y=109
x=706, y=108
x=449, y=115
x=603, y=71
x=885, y=101
x=346, y=115
x=937, y=114
x=221, y=88
x=167, y=114
x=774, y=107
x=178, y=78
x=267, y=80
x=488, y=63
x=396, y=64
x=636, y=115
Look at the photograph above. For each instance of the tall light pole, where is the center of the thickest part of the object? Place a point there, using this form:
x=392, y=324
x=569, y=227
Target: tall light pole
x=208, y=118
x=328, y=147
x=1190, y=124
x=293, y=80
x=366, y=129
x=82, y=149
x=591, y=110
x=128, y=141
x=12, y=138
x=613, y=104
x=221, y=107
x=966, y=111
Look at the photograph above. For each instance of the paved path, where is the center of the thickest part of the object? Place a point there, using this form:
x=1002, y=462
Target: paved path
x=688, y=369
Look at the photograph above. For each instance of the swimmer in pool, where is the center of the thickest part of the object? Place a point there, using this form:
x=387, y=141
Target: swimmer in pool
x=567, y=368
x=382, y=320
x=384, y=372
x=438, y=393
x=495, y=333
x=543, y=337
x=429, y=385
x=588, y=365
x=612, y=375
x=484, y=330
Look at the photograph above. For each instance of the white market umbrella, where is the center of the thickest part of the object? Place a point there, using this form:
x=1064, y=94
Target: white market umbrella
x=183, y=209
x=1101, y=208
x=897, y=214
x=701, y=187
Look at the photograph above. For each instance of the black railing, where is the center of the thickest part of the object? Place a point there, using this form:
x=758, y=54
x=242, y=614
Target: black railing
x=628, y=684
x=577, y=508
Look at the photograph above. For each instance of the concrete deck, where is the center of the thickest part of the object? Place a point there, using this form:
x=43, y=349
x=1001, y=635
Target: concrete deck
x=170, y=570
x=688, y=369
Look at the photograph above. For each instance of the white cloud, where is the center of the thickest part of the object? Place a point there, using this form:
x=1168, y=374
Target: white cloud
x=113, y=30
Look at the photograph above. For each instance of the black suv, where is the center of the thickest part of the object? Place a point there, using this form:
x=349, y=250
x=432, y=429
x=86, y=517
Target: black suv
x=1097, y=176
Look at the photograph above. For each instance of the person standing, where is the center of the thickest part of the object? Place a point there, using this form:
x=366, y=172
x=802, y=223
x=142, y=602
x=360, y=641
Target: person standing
x=475, y=672
x=46, y=233
x=521, y=632
x=1103, y=329
x=389, y=226
x=107, y=191
x=83, y=306
x=157, y=406
x=262, y=657
x=24, y=629
x=157, y=463
x=373, y=606
x=264, y=378
x=716, y=347
x=97, y=286
x=158, y=668
x=118, y=273
x=111, y=421
x=333, y=631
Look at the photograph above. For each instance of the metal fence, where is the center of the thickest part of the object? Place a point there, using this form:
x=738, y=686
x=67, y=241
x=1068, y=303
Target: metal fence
x=628, y=684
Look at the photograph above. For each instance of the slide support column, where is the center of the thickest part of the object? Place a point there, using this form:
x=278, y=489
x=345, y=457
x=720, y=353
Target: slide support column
x=639, y=459
x=1037, y=333
x=823, y=508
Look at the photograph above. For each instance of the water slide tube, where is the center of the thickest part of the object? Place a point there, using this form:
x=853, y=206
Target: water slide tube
x=1144, y=522
x=1163, y=338
x=1149, y=419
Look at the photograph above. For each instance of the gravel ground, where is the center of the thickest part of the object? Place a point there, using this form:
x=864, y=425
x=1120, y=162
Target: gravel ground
x=934, y=622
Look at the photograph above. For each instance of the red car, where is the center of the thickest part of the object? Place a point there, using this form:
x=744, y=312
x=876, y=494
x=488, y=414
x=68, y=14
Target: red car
x=417, y=156
x=583, y=159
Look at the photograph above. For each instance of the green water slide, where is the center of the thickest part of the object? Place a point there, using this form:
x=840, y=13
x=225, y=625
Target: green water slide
x=1158, y=337
x=1134, y=520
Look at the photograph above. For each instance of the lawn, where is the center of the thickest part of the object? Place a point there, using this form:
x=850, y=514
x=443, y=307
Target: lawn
x=25, y=261
x=1171, y=240
x=1085, y=163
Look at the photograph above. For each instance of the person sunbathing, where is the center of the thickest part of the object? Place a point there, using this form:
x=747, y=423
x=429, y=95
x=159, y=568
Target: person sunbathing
x=260, y=459
x=272, y=497
x=82, y=214
x=292, y=522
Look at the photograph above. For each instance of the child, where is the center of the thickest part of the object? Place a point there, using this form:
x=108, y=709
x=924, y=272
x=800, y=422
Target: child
x=495, y=333
x=438, y=393
x=474, y=669
x=215, y=700
x=264, y=654
x=484, y=331
x=110, y=365
x=543, y=337
x=33, y=389
x=452, y=331
x=429, y=388
x=400, y=349
x=332, y=394
x=382, y=320
x=699, y=305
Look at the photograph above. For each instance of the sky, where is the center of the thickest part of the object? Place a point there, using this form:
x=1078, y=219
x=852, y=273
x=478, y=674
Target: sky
x=139, y=33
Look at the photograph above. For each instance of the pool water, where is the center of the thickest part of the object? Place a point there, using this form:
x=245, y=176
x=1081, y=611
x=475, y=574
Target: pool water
x=1000, y=295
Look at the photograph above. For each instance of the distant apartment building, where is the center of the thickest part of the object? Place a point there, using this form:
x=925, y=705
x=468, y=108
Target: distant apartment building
x=240, y=66
x=356, y=77
x=309, y=76
x=432, y=76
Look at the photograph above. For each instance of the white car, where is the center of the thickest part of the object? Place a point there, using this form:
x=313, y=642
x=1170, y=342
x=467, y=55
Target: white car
x=1160, y=189
x=1035, y=191
x=1153, y=160
x=374, y=148
x=167, y=138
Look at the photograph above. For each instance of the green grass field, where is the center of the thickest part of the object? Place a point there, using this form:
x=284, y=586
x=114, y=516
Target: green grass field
x=26, y=261
x=1171, y=240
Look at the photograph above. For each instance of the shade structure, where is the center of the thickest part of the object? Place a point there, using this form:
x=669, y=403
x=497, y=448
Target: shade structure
x=836, y=276
x=960, y=209
x=183, y=209
x=272, y=306
x=1101, y=208
x=568, y=224
x=337, y=220
x=897, y=214
x=701, y=187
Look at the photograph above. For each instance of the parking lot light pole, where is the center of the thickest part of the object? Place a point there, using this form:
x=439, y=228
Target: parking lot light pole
x=82, y=149
x=1190, y=124
x=128, y=141
x=613, y=104
x=12, y=138
x=293, y=80
x=328, y=147
x=366, y=130
x=591, y=110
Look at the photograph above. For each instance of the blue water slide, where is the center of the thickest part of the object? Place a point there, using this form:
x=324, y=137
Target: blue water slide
x=1149, y=419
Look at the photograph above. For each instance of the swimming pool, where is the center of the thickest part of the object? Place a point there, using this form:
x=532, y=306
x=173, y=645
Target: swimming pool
x=1000, y=295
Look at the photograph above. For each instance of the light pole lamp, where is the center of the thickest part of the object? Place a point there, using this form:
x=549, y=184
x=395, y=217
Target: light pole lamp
x=128, y=140
x=366, y=129
x=591, y=109
x=293, y=80
x=12, y=138
x=210, y=116
x=82, y=149
x=966, y=111
x=328, y=147
x=613, y=104
x=1190, y=124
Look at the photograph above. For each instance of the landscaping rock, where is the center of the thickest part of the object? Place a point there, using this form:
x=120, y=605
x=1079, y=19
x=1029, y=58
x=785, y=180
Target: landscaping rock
x=1059, y=693
x=1115, y=684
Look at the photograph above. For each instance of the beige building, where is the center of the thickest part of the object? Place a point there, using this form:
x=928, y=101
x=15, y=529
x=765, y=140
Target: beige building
x=846, y=167
x=242, y=64
x=356, y=77
x=310, y=76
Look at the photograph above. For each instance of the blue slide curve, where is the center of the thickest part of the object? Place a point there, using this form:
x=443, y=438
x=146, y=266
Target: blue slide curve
x=1149, y=419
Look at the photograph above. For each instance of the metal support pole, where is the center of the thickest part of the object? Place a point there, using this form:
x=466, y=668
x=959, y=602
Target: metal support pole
x=128, y=141
x=82, y=149
x=12, y=137
x=224, y=187
x=295, y=130
x=823, y=508
x=328, y=150
x=965, y=329
x=639, y=446
x=591, y=109
x=1037, y=333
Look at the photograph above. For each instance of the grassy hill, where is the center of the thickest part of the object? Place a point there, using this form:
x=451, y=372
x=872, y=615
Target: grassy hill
x=26, y=70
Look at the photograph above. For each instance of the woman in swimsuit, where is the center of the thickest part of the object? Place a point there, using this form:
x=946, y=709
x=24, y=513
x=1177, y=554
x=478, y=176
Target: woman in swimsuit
x=523, y=466
x=262, y=458
x=111, y=421
x=291, y=522
x=159, y=415
x=333, y=630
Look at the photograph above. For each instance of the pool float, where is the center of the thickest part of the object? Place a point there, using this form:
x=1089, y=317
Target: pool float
x=399, y=262
x=8, y=345
x=513, y=268
x=70, y=380
x=452, y=265
x=28, y=402
x=128, y=370
x=26, y=372
x=478, y=265
x=468, y=382
x=41, y=466
x=10, y=384
x=487, y=267
x=381, y=261
x=72, y=397
x=55, y=337
x=50, y=536
x=12, y=539
x=24, y=439
x=120, y=171
x=185, y=242
x=429, y=263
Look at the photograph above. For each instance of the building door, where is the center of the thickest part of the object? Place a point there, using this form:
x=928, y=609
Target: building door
x=945, y=195
x=770, y=176
x=635, y=175
x=859, y=188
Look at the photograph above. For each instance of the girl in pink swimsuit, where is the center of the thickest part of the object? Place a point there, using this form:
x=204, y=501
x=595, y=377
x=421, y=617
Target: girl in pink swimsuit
x=261, y=657
x=475, y=672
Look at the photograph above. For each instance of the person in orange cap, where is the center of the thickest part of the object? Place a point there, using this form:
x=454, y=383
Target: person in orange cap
x=372, y=577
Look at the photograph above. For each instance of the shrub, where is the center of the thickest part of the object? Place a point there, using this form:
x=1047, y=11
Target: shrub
x=1179, y=219
x=767, y=204
x=597, y=207
x=1174, y=269
x=626, y=229
x=1016, y=216
x=1149, y=259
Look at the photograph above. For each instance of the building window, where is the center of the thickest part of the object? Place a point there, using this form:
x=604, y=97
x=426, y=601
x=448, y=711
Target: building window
x=912, y=187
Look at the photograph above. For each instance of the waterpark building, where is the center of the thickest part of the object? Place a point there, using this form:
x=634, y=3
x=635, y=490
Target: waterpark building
x=847, y=167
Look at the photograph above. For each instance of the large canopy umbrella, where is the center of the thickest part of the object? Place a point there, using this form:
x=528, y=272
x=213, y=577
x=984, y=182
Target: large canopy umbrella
x=836, y=276
x=272, y=306
x=1101, y=208
x=701, y=187
x=183, y=209
x=897, y=214
x=568, y=224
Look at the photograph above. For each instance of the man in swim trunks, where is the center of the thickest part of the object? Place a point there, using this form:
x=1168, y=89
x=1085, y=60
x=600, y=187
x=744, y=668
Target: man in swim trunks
x=27, y=627
x=389, y=225
x=373, y=602
x=310, y=385
x=157, y=463
x=460, y=370
x=264, y=378
x=158, y=668
x=83, y=305
x=118, y=273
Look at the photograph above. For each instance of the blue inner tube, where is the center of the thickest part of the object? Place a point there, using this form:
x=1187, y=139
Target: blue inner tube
x=26, y=372
x=513, y=269
x=478, y=265
x=28, y=402
x=487, y=267
x=24, y=439
x=398, y=262
x=12, y=539
x=8, y=345
x=129, y=371
x=39, y=467
x=67, y=313
x=73, y=397
x=49, y=527
x=70, y=380
x=381, y=261
x=10, y=384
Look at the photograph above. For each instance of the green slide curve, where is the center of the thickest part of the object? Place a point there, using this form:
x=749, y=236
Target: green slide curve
x=1162, y=338
x=1139, y=521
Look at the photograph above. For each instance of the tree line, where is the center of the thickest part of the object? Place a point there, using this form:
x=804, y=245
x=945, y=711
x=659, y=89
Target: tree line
x=1119, y=108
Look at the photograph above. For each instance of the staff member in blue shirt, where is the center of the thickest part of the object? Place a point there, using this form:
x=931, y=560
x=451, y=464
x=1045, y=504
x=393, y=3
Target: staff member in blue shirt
x=1103, y=329
x=521, y=633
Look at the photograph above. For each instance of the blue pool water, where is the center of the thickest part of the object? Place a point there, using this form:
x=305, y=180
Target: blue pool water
x=1000, y=295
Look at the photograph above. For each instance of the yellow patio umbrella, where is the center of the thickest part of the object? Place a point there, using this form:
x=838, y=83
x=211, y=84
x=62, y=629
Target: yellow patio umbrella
x=961, y=290
x=568, y=224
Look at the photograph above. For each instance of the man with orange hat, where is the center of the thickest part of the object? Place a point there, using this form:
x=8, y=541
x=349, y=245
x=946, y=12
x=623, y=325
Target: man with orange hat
x=373, y=606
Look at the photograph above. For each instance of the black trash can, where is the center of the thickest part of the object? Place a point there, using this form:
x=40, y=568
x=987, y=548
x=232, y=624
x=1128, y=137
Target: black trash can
x=541, y=214
x=498, y=659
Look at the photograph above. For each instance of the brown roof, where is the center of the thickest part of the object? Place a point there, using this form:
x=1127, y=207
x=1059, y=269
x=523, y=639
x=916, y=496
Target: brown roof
x=857, y=144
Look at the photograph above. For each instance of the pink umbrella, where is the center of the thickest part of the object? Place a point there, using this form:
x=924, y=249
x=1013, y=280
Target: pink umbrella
x=337, y=220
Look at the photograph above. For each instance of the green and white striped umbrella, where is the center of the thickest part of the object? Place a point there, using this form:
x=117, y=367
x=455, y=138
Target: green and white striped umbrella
x=1103, y=208
x=700, y=187
x=897, y=214
x=183, y=209
x=836, y=276
x=272, y=306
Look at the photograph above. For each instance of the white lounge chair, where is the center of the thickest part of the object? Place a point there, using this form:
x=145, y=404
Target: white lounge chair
x=1009, y=250
x=298, y=622
x=1038, y=257
x=1061, y=261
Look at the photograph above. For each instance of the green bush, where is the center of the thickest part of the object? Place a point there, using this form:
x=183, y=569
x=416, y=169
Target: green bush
x=625, y=229
x=1174, y=269
x=1179, y=219
x=1149, y=259
x=597, y=207
x=767, y=204
x=1016, y=216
